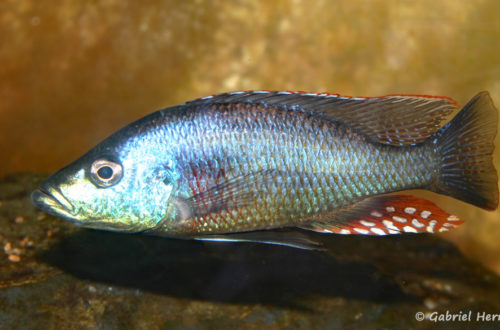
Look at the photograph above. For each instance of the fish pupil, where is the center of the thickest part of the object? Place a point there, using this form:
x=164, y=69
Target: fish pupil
x=105, y=172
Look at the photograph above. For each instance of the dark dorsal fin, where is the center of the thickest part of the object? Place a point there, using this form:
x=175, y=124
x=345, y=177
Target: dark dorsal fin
x=393, y=119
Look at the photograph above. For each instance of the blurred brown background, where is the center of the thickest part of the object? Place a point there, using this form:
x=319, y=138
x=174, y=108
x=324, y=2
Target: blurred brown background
x=73, y=72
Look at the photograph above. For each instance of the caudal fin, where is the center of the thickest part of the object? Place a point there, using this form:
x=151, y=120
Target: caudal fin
x=466, y=146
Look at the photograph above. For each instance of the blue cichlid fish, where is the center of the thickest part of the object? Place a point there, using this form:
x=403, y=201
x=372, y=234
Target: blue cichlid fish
x=229, y=167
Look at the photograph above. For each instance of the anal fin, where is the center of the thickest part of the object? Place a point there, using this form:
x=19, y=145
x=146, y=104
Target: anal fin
x=385, y=215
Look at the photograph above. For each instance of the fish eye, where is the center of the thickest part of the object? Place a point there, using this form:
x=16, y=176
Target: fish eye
x=105, y=173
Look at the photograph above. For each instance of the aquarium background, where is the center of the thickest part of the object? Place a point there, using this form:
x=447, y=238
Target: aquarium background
x=73, y=72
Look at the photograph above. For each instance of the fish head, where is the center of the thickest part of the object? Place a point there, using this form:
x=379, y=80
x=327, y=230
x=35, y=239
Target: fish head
x=110, y=189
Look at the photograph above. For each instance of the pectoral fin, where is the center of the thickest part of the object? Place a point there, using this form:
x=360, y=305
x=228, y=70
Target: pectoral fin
x=229, y=194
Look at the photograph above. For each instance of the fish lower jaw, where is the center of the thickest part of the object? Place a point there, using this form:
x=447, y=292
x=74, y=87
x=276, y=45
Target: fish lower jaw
x=51, y=204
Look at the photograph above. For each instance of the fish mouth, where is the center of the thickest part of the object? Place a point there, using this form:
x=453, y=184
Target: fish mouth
x=52, y=201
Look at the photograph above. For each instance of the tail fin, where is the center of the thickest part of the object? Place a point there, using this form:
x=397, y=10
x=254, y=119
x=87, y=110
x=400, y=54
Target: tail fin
x=466, y=146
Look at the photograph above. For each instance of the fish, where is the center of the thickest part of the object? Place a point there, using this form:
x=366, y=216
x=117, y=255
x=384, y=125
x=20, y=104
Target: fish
x=267, y=166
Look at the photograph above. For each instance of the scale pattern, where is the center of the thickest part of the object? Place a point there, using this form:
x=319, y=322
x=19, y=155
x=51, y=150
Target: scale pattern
x=306, y=165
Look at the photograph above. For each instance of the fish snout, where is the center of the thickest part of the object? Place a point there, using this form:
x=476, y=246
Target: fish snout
x=51, y=200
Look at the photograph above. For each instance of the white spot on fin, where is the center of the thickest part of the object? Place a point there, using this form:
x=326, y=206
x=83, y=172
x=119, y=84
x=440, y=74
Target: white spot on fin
x=390, y=225
x=417, y=224
x=425, y=214
x=410, y=210
x=409, y=229
x=399, y=219
x=378, y=231
x=431, y=225
x=390, y=209
x=361, y=231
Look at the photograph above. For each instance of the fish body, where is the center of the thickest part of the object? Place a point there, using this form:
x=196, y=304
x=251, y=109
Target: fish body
x=249, y=161
x=288, y=167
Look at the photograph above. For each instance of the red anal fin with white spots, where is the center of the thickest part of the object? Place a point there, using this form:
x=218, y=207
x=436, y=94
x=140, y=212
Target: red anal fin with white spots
x=384, y=215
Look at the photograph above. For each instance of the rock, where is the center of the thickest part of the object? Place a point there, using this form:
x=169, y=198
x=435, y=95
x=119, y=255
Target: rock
x=95, y=279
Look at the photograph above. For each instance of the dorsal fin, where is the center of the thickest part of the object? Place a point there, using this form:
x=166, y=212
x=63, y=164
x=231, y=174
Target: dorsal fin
x=392, y=119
